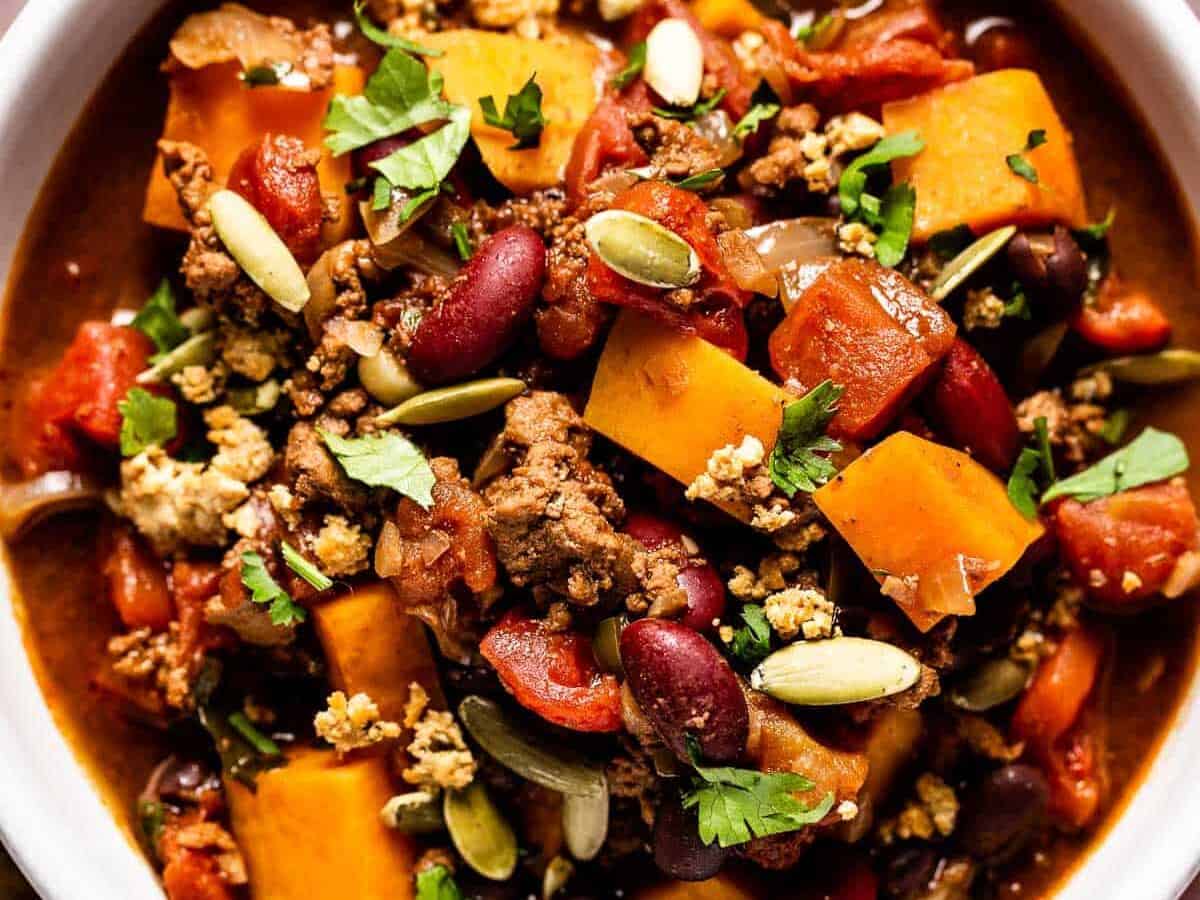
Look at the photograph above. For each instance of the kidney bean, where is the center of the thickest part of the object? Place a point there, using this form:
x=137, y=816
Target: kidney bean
x=485, y=312
x=1000, y=813
x=684, y=686
x=971, y=409
x=908, y=872
x=703, y=585
x=651, y=531
x=678, y=850
x=1052, y=265
x=1003, y=47
x=361, y=159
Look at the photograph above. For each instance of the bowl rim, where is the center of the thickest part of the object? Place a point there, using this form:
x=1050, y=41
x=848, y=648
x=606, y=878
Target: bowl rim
x=45, y=786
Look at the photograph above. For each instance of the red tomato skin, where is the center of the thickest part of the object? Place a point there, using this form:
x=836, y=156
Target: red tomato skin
x=969, y=405
x=37, y=444
x=1122, y=320
x=1076, y=773
x=1143, y=531
x=278, y=175
x=1059, y=689
x=605, y=141
x=553, y=674
x=137, y=583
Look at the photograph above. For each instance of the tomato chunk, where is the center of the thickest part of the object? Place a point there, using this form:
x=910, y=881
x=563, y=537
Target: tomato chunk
x=1122, y=320
x=137, y=583
x=912, y=19
x=1055, y=697
x=605, y=141
x=1076, y=773
x=968, y=404
x=554, y=674
x=278, y=175
x=36, y=443
x=866, y=328
x=1122, y=548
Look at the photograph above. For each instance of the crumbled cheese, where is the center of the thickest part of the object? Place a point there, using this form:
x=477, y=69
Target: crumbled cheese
x=847, y=810
x=799, y=537
x=353, y=724
x=440, y=757
x=934, y=810
x=156, y=659
x=982, y=309
x=1074, y=428
x=856, y=238
x=200, y=384
x=800, y=611
x=253, y=354
x=1130, y=581
x=746, y=47
x=851, y=132
x=243, y=451
x=341, y=547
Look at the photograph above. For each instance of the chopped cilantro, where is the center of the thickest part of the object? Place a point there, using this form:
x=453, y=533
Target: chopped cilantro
x=462, y=241
x=1115, y=426
x=891, y=217
x=436, y=883
x=795, y=463
x=381, y=194
x=1092, y=236
x=896, y=220
x=853, y=182
x=158, y=321
x=752, y=642
x=755, y=116
x=1017, y=161
x=1153, y=456
x=266, y=75
x=633, y=67
x=415, y=203
x=266, y=590
x=146, y=421
x=255, y=738
x=385, y=459
x=374, y=33
x=522, y=114
x=1023, y=486
x=1018, y=306
x=700, y=180
x=302, y=567
x=811, y=34
x=241, y=759
x=1041, y=435
x=693, y=112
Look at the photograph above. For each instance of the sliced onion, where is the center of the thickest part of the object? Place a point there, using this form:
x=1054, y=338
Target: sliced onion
x=794, y=240
x=614, y=181
x=736, y=212
x=745, y=265
x=26, y=503
x=396, y=245
x=716, y=128
x=323, y=295
x=362, y=337
x=389, y=551
x=233, y=32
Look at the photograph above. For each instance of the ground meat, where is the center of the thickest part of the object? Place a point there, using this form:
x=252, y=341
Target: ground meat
x=631, y=777
x=1074, y=428
x=350, y=263
x=675, y=150
x=553, y=516
x=156, y=660
x=313, y=475
x=786, y=159
x=658, y=572
x=440, y=757
x=243, y=450
x=252, y=353
x=778, y=851
x=543, y=211
x=932, y=811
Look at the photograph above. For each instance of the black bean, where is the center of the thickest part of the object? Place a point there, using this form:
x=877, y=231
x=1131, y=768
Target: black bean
x=678, y=850
x=908, y=872
x=1066, y=267
x=1001, y=812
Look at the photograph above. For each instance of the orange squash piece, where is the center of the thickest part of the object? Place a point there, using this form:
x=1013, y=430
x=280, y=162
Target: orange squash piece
x=673, y=399
x=728, y=18
x=969, y=129
x=868, y=329
x=212, y=108
x=936, y=521
x=373, y=648
x=488, y=64
x=311, y=829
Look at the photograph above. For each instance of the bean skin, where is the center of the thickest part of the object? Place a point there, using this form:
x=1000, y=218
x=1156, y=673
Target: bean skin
x=678, y=850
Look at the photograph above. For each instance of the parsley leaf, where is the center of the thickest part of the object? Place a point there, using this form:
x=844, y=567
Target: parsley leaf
x=1092, y=236
x=522, y=114
x=633, y=67
x=854, y=179
x=735, y=805
x=896, y=218
x=424, y=163
x=1019, y=164
x=1041, y=433
x=385, y=459
x=752, y=643
x=700, y=180
x=158, y=321
x=375, y=34
x=146, y=421
x=303, y=568
x=794, y=463
x=755, y=116
x=436, y=883
x=266, y=590
x=1153, y=456
x=462, y=241
x=689, y=113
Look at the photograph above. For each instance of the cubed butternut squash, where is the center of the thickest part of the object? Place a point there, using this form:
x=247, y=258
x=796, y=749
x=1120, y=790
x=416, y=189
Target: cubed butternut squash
x=311, y=829
x=213, y=108
x=934, y=525
x=673, y=398
x=728, y=18
x=970, y=128
x=488, y=64
x=373, y=648
x=868, y=329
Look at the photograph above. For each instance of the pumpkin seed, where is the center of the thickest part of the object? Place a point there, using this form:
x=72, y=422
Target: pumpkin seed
x=198, y=350
x=198, y=318
x=990, y=684
x=260, y=252
x=606, y=643
x=417, y=812
x=386, y=378
x=970, y=261
x=839, y=670
x=531, y=758
x=558, y=873
x=449, y=404
x=255, y=399
x=585, y=823
x=481, y=835
x=1165, y=367
x=642, y=250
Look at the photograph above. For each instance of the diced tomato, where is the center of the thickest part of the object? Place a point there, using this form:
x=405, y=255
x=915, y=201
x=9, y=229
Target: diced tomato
x=1132, y=540
x=968, y=404
x=137, y=582
x=912, y=19
x=1061, y=685
x=194, y=582
x=868, y=329
x=189, y=874
x=37, y=444
x=278, y=175
x=1077, y=773
x=605, y=141
x=554, y=674
x=1122, y=320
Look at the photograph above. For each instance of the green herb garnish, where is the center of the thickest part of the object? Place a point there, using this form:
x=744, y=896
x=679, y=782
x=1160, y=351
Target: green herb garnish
x=522, y=114
x=752, y=643
x=146, y=421
x=853, y=182
x=302, y=567
x=253, y=736
x=1115, y=426
x=381, y=194
x=436, y=883
x=693, y=112
x=895, y=224
x=1019, y=164
x=374, y=33
x=462, y=241
x=385, y=459
x=700, y=180
x=796, y=463
x=266, y=75
x=1018, y=306
x=1023, y=486
x=1153, y=456
x=633, y=67
x=808, y=34
x=159, y=322
x=265, y=590
x=755, y=116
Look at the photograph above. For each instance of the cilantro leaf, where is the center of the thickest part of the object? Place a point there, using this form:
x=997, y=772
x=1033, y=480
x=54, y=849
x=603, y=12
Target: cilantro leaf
x=1019, y=164
x=267, y=75
x=755, y=116
x=1022, y=486
x=735, y=805
x=1041, y=434
x=381, y=194
x=146, y=421
x=633, y=67
x=436, y=883
x=854, y=179
x=689, y=113
x=809, y=34
x=158, y=321
x=752, y=643
x=522, y=114
x=462, y=241
x=1091, y=236
x=700, y=180
x=302, y=567
x=1153, y=456
x=896, y=218
x=266, y=590
x=1115, y=426
x=385, y=459
x=1018, y=306
x=794, y=463
x=424, y=163
x=375, y=34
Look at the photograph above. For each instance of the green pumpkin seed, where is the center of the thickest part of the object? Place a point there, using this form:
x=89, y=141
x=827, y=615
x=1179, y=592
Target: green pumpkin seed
x=1165, y=367
x=386, y=378
x=839, y=670
x=449, y=404
x=481, y=835
x=606, y=643
x=642, y=250
x=585, y=823
x=198, y=350
x=990, y=684
x=198, y=318
x=970, y=261
x=558, y=873
x=417, y=812
x=253, y=243
x=531, y=758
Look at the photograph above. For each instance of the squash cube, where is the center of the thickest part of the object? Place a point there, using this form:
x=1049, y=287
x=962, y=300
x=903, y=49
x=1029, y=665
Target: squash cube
x=928, y=519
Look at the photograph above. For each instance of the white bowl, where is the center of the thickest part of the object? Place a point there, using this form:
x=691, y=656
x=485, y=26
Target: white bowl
x=51, y=819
